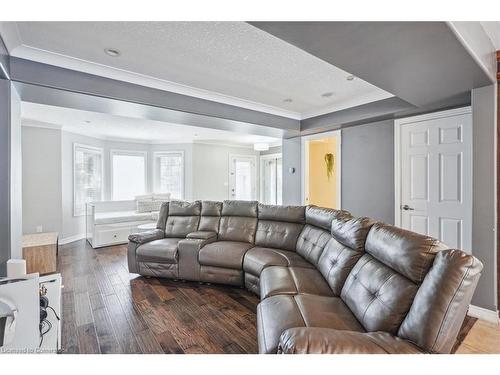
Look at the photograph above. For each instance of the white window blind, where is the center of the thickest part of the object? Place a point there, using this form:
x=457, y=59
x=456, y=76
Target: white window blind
x=169, y=170
x=87, y=177
x=128, y=178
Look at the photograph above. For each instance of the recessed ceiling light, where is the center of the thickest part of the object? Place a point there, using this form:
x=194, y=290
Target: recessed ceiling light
x=350, y=78
x=327, y=94
x=113, y=52
x=195, y=134
x=288, y=100
x=88, y=121
x=261, y=146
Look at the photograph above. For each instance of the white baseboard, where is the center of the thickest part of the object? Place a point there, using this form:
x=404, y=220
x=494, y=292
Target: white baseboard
x=490, y=316
x=64, y=241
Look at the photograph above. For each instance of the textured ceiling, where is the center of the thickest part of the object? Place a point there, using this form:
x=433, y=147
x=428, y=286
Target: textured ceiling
x=131, y=129
x=230, y=62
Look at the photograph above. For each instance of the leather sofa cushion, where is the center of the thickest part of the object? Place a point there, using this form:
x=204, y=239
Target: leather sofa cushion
x=210, y=216
x=258, y=258
x=162, y=216
x=279, y=313
x=442, y=301
x=377, y=295
x=311, y=243
x=211, y=208
x=159, y=251
x=322, y=217
x=239, y=208
x=351, y=231
x=227, y=254
x=409, y=253
x=180, y=226
x=291, y=214
x=278, y=280
x=209, y=223
x=277, y=234
x=239, y=229
x=336, y=262
x=182, y=208
x=313, y=340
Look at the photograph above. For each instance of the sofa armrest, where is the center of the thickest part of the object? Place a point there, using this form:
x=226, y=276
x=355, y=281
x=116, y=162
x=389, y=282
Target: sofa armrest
x=143, y=237
x=310, y=340
x=202, y=235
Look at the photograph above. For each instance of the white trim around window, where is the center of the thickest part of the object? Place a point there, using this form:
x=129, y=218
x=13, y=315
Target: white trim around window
x=156, y=177
x=90, y=149
x=144, y=154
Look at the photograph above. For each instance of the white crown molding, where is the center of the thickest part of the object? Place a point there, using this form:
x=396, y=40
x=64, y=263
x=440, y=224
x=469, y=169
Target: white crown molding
x=348, y=103
x=73, y=63
x=45, y=125
x=490, y=316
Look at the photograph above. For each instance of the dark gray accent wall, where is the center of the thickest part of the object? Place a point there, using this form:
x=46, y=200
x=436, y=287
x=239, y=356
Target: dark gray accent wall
x=4, y=60
x=368, y=170
x=483, y=194
x=370, y=112
x=419, y=62
x=291, y=151
x=4, y=174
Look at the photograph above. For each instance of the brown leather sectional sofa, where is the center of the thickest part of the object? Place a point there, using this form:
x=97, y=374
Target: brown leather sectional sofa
x=328, y=282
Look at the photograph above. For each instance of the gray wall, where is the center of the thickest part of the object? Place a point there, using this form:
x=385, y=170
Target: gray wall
x=4, y=173
x=292, y=181
x=368, y=170
x=16, y=180
x=211, y=170
x=41, y=154
x=484, y=191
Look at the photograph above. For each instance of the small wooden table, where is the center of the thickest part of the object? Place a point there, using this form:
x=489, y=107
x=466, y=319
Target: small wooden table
x=40, y=252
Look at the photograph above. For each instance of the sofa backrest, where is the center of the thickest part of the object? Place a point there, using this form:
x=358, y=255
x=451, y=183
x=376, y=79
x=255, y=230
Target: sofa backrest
x=316, y=232
x=183, y=218
x=238, y=221
x=381, y=287
x=279, y=226
x=344, y=249
x=210, y=216
x=162, y=216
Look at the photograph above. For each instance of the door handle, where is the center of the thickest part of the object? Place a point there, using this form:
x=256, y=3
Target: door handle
x=407, y=208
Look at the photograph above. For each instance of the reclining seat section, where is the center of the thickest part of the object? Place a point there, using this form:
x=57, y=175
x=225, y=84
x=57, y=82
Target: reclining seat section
x=310, y=297
x=222, y=261
x=155, y=253
x=276, y=238
x=342, y=251
x=408, y=294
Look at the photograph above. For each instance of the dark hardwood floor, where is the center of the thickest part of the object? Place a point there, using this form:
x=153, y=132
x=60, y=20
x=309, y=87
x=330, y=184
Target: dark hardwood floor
x=108, y=310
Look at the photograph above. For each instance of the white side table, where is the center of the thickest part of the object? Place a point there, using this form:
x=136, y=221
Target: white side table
x=146, y=227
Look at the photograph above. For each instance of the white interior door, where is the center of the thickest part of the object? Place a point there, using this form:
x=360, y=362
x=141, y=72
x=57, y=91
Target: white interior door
x=242, y=177
x=436, y=177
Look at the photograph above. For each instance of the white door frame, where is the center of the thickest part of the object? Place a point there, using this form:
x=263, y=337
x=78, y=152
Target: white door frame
x=397, y=150
x=263, y=158
x=255, y=173
x=303, y=156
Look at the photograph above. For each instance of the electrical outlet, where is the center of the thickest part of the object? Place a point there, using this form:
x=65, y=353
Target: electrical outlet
x=39, y=229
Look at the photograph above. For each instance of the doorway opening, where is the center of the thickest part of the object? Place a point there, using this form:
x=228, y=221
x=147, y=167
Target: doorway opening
x=321, y=161
x=271, y=173
x=242, y=177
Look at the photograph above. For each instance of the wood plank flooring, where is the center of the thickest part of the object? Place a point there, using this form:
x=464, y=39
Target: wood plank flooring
x=108, y=310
